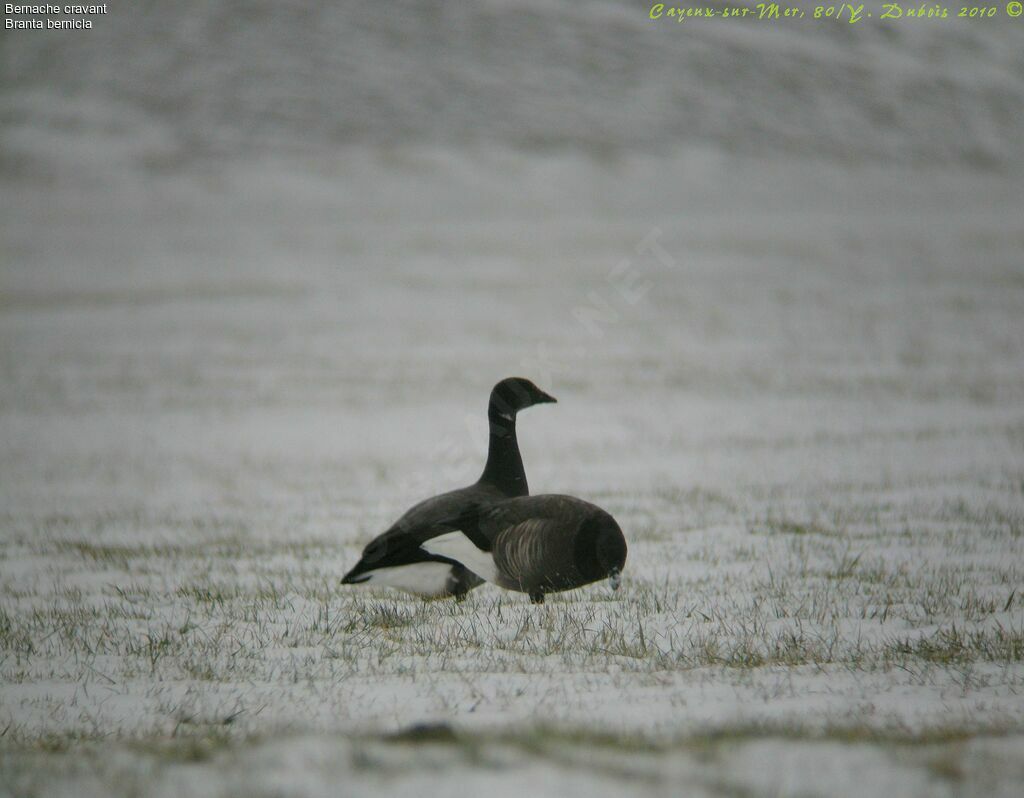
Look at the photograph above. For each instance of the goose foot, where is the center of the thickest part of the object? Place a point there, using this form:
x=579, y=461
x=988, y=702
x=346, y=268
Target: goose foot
x=537, y=597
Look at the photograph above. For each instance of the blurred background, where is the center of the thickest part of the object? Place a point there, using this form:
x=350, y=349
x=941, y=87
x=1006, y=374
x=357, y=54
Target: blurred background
x=265, y=260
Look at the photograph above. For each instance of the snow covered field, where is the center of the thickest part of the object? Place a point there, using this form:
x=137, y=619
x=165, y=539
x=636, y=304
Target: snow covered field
x=242, y=329
x=808, y=418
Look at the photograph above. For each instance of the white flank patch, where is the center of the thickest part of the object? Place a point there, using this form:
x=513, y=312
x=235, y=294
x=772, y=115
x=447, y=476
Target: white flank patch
x=429, y=579
x=457, y=546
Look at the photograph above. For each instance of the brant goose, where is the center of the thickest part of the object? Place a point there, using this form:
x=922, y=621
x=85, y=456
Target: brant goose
x=394, y=558
x=536, y=544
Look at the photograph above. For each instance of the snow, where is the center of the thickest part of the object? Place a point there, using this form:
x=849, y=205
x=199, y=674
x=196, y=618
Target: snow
x=788, y=355
x=809, y=428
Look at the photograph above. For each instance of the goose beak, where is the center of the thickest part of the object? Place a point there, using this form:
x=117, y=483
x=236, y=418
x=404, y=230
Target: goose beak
x=545, y=398
x=615, y=579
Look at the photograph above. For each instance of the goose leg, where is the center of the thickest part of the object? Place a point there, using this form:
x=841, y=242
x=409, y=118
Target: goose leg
x=537, y=597
x=460, y=582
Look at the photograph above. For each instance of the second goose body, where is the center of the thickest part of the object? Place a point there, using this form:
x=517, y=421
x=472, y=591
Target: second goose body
x=536, y=544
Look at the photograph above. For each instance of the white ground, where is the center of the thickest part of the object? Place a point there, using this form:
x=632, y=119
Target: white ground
x=804, y=403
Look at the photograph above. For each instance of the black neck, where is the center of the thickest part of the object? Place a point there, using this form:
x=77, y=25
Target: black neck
x=504, y=469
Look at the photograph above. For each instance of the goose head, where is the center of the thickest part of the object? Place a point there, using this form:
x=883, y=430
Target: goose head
x=601, y=549
x=513, y=394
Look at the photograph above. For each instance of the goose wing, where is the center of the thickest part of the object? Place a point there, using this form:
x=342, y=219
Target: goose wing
x=536, y=554
x=400, y=543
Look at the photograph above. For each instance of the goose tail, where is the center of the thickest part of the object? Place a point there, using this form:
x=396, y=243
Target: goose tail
x=356, y=575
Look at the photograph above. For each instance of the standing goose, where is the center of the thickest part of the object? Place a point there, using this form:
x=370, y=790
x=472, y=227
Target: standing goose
x=394, y=558
x=536, y=544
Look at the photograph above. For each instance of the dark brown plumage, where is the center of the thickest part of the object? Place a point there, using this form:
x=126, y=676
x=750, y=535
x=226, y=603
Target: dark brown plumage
x=536, y=544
